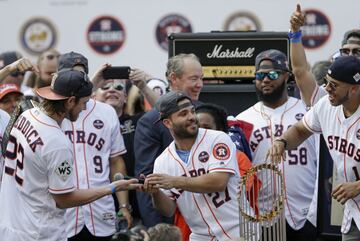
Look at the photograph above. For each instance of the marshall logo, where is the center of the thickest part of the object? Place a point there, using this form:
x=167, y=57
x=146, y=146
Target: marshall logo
x=227, y=56
x=230, y=54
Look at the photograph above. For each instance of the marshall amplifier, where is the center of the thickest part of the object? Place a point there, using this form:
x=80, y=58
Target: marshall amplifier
x=228, y=60
x=227, y=57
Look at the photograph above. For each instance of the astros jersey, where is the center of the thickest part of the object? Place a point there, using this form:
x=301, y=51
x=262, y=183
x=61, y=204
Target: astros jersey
x=342, y=136
x=213, y=215
x=95, y=136
x=4, y=120
x=300, y=167
x=38, y=164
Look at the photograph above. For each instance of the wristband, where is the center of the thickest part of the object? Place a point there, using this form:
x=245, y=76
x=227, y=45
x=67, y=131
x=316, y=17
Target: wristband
x=283, y=141
x=112, y=188
x=295, y=35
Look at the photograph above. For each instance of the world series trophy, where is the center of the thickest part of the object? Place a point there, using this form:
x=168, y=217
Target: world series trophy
x=261, y=204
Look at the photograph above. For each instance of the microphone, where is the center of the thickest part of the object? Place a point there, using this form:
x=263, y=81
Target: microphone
x=119, y=176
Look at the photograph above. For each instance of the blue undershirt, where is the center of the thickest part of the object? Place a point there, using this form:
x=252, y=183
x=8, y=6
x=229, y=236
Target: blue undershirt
x=184, y=155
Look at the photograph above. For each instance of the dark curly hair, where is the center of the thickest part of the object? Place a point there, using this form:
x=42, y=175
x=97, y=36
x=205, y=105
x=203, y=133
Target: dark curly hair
x=219, y=114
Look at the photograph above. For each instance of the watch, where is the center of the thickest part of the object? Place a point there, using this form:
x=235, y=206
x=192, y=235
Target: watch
x=127, y=206
x=283, y=141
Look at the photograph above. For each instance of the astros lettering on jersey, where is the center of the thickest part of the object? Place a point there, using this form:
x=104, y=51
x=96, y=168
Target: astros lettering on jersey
x=95, y=137
x=38, y=164
x=342, y=136
x=213, y=215
x=300, y=167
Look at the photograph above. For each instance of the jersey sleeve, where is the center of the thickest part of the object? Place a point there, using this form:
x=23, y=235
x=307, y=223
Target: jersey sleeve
x=159, y=167
x=60, y=171
x=117, y=140
x=223, y=155
x=311, y=118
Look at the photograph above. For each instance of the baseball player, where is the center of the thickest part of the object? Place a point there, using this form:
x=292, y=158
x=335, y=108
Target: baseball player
x=197, y=172
x=271, y=116
x=337, y=117
x=38, y=181
x=97, y=145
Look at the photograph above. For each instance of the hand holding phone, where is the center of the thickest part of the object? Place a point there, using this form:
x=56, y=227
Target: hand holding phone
x=116, y=72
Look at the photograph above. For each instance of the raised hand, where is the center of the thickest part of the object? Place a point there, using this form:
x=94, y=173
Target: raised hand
x=297, y=19
x=22, y=65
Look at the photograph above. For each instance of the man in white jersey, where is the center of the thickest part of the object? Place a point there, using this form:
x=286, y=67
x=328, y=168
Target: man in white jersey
x=337, y=117
x=271, y=116
x=305, y=80
x=97, y=145
x=197, y=173
x=20, y=65
x=38, y=181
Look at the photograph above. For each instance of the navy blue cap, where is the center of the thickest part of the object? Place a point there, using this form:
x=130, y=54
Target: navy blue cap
x=345, y=69
x=69, y=60
x=168, y=104
x=67, y=83
x=278, y=59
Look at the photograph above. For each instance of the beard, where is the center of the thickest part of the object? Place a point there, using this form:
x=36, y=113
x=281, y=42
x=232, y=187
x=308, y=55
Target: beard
x=72, y=116
x=181, y=131
x=341, y=100
x=272, y=97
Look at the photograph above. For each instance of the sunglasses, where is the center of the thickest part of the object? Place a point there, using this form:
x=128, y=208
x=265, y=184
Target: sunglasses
x=347, y=51
x=116, y=86
x=272, y=75
x=17, y=74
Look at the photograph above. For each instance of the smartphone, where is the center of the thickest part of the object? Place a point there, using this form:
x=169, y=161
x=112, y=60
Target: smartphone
x=117, y=72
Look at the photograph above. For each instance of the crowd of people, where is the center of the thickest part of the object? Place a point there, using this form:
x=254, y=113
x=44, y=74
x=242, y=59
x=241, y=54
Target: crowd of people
x=91, y=150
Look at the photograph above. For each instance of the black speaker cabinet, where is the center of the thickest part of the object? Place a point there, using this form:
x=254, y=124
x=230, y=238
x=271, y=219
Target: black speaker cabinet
x=235, y=98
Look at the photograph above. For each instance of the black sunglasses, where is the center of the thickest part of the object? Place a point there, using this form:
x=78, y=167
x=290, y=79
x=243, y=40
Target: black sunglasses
x=347, y=51
x=116, y=86
x=272, y=75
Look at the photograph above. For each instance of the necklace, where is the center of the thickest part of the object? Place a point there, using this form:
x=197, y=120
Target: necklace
x=267, y=118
